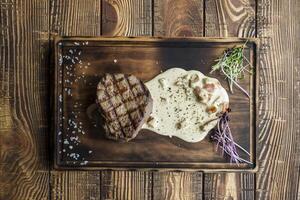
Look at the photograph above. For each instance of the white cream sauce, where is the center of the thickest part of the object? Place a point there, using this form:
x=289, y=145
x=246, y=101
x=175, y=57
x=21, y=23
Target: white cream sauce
x=186, y=104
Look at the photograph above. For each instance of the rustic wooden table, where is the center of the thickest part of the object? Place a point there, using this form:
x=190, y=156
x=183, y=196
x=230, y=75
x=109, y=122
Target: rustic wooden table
x=27, y=29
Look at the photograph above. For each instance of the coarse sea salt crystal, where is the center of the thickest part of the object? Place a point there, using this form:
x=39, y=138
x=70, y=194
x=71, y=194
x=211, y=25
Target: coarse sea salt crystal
x=60, y=98
x=66, y=141
x=84, y=162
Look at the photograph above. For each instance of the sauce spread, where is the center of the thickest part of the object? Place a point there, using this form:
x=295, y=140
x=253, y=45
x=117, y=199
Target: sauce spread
x=186, y=104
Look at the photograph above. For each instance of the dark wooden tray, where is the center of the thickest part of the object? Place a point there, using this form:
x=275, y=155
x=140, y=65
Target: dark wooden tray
x=79, y=144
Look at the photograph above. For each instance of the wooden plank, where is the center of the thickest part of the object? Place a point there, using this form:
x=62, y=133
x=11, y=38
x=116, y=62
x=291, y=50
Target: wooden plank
x=75, y=17
x=127, y=18
x=74, y=185
x=24, y=148
x=229, y=186
x=178, y=18
x=278, y=27
x=177, y=185
x=229, y=18
x=126, y=185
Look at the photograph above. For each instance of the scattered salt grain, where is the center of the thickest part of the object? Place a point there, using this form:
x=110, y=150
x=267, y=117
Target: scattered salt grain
x=84, y=163
x=66, y=141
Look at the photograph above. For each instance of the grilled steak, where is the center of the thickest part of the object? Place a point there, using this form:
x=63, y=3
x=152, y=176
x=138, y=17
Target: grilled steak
x=124, y=103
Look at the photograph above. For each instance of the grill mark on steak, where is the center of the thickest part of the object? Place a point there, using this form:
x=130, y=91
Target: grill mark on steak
x=130, y=89
x=114, y=110
x=123, y=101
x=125, y=107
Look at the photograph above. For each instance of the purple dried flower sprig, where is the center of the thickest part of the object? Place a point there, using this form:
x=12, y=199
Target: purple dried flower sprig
x=223, y=137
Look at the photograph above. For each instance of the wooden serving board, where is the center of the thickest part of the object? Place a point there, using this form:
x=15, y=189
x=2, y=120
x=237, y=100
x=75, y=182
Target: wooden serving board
x=80, y=142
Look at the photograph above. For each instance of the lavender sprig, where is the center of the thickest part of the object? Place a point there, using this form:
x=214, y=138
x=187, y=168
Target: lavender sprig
x=223, y=137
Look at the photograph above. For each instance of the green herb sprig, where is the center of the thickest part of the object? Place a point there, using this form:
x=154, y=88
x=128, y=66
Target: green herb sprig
x=231, y=64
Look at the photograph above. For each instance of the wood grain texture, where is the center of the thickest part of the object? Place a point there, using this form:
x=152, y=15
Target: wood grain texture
x=178, y=18
x=74, y=185
x=177, y=185
x=229, y=186
x=123, y=185
x=127, y=18
x=75, y=17
x=24, y=167
x=229, y=18
x=278, y=28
